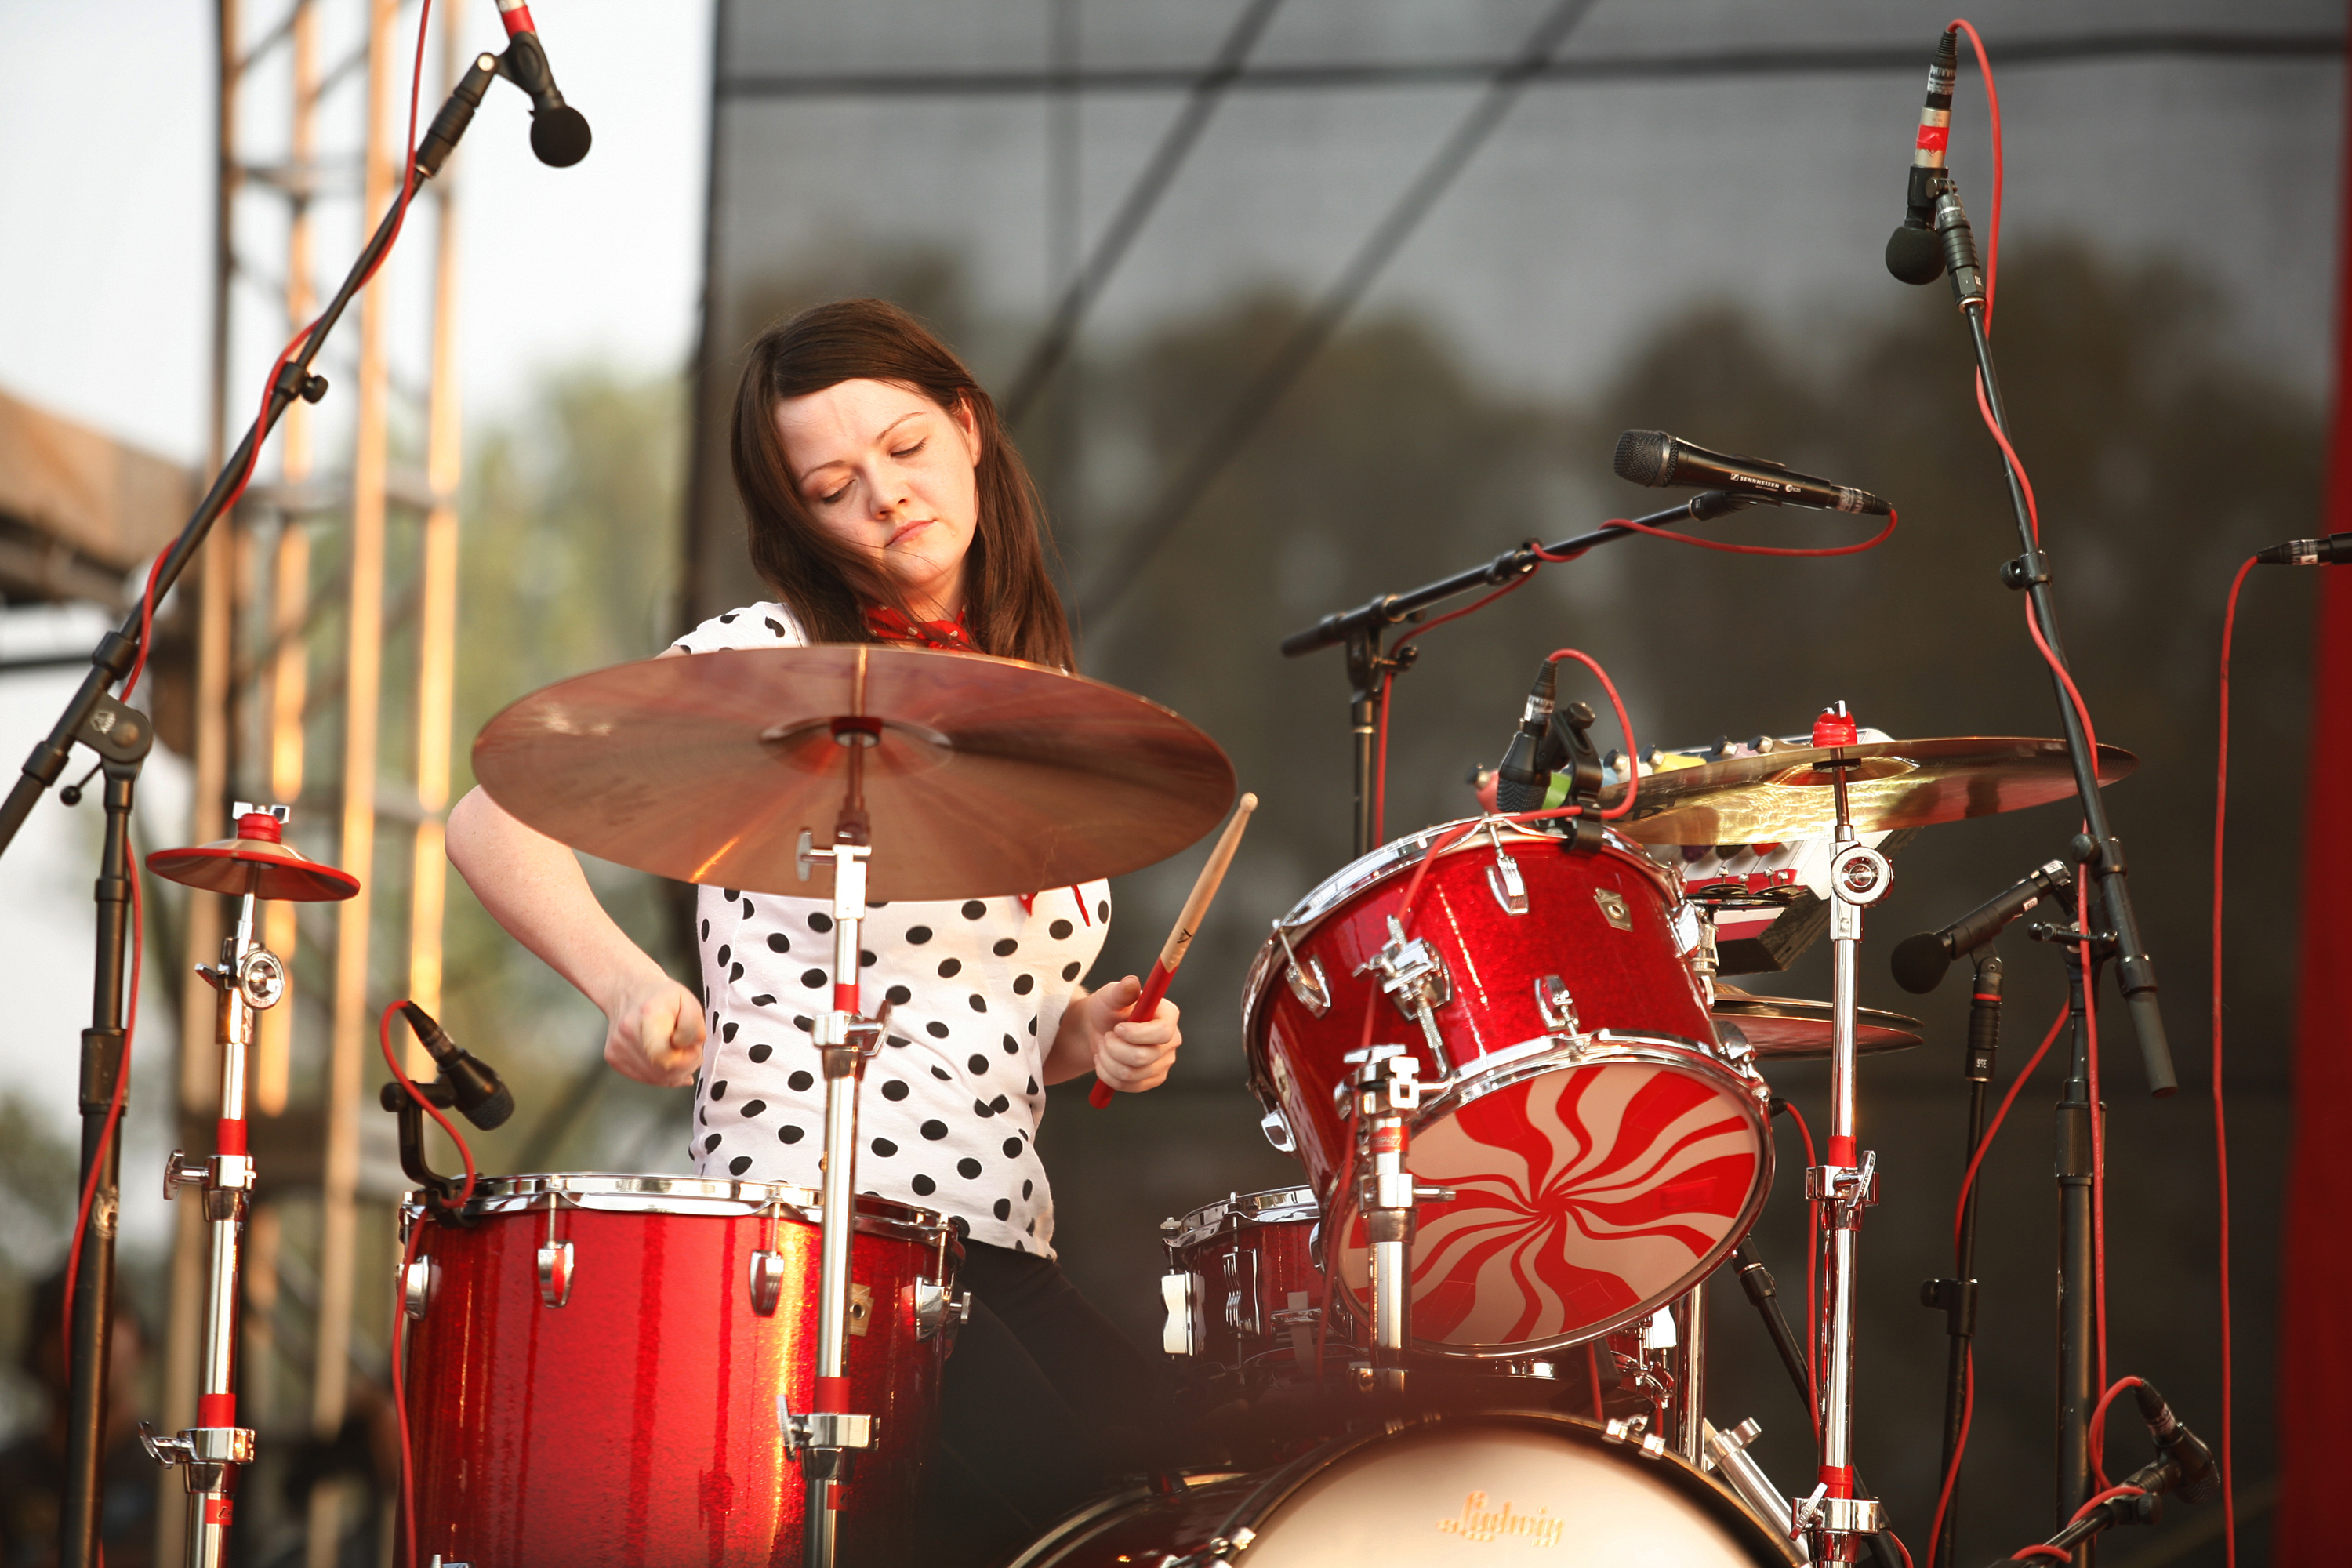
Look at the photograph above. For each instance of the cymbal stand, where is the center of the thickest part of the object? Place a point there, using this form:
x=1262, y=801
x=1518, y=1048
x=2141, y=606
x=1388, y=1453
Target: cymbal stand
x=1385, y=1088
x=1957, y=1298
x=249, y=979
x=1840, y=1522
x=826, y=1439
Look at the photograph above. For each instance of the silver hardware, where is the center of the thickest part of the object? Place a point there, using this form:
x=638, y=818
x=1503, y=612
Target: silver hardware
x=1414, y=975
x=1510, y=888
x=1556, y=1006
x=1860, y=875
x=165, y=1451
x=823, y=1429
x=1635, y=1430
x=1613, y=908
x=1427, y=1195
x=1658, y=1331
x=802, y=857
x=767, y=1281
x=179, y=1170
x=1733, y=1043
x=261, y=975
x=199, y=1446
x=1727, y=1454
x=555, y=1265
x=937, y=1312
x=1276, y=1127
x=1850, y=1515
x=1308, y=983
x=861, y=1308
x=417, y=1288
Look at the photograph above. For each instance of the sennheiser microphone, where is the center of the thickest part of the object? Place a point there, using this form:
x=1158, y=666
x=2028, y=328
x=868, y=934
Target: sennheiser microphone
x=1920, y=962
x=1914, y=253
x=2325, y=551
x=2199, y=1477
x=1521, y=780
x=1655, y=458
x=558, y=132
x=486, y=1101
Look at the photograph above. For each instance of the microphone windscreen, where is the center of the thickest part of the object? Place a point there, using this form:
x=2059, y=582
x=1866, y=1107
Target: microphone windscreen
x=1914, y=255
x=493, y=1111
x=1645, y=457
x=560, y=136
x=1919, y=962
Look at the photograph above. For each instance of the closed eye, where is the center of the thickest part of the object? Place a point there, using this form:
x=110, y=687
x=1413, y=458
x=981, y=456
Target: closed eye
x=910, y=451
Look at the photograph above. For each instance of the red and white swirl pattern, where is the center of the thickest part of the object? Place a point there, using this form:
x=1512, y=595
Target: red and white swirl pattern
x=1581, y=1194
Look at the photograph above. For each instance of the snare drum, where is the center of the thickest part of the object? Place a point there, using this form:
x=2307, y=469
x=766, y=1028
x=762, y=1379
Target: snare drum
x=1244, y=1289
x=1603, y=1154
x=597, y=1367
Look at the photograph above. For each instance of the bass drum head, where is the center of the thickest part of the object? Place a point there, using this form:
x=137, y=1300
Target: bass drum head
x=1493, y=1492
x=1589, y=1191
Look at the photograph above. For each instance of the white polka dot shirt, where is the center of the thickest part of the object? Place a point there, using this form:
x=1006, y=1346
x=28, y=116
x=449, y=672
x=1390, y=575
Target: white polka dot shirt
x=948, y=1116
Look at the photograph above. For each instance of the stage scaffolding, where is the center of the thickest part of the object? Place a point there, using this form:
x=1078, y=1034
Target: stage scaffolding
x=346, y=542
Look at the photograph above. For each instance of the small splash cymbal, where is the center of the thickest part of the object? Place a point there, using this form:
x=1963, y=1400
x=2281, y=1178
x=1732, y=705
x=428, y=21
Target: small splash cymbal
x=255, y=861
x=1786, y=1028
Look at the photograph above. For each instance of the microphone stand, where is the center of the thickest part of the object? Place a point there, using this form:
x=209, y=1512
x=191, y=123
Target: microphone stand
x=2136, y=971
x=121, y=736
x=1363, y=630
x=1957, y=1297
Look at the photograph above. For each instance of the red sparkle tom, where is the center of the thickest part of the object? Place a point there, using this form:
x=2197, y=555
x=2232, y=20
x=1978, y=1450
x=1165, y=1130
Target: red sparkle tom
x=597, y=1367
x=1603, y=1152
x=1243, y=1290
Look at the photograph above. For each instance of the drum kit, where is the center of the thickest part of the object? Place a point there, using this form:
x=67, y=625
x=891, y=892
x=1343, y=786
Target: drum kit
x=1527, y=1112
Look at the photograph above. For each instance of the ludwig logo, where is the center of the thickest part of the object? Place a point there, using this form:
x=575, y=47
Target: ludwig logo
x=1480, y=1521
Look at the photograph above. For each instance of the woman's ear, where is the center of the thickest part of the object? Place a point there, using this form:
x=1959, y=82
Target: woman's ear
x=967, y=425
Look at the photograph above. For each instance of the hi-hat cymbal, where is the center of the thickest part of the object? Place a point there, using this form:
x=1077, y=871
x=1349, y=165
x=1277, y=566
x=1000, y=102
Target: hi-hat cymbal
x=1785, y=794
x=1784, y=1028
x=986, y=776
x=264, y=866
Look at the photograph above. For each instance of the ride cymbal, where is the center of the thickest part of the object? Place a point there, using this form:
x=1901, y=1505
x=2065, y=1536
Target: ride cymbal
x=1785, y=793
x=984, y=776
x=1786, y=1028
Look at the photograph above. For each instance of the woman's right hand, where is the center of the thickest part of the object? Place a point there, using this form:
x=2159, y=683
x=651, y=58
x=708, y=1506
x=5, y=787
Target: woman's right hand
x=654, y=1032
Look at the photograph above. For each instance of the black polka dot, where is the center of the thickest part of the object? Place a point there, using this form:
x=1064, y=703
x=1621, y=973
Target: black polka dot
x=734, y=973
x=973, y=908
x=950, y=968
x=760, y=1052
x=894, y=1089
x=1005, y=947
x=866, y=960
x=725, y=953
x=924, y=1186
x=918, y=934
x=1023, y=983
x=1011, y=1047
x=878, y=903
x=1032, y=1027
x=935, y=1129
x=789, y=1134
x=1070, y=970
x=979, y=1109
x=820, y=923
x=1003, y=1209
x=727, y=1033
x=727, y=620
x=711, y=1142
x=747, y=909
x=1032, y=1228
x=898, y=1040
x=1026, y=1188
x=805, y=1026
x=1033, y=1086
x=799, y=1081
x=779, y=942
x=719, y=1090
x=1102, y=910
x=967, y=1168
x=998, y=1104
x=764, y=999
x=1059, y=931
x=743, y=1163
x=979, y=1002
x=753, y=1106
x=702, y=1114
x=773, y=625
x=812, y=978
x=706, y=930
x=731, y=894
x=899, y=995
x=978, y=1063
x=1012, y=1148
x=883, y=1147
x=937, y=1030
x=942, y=1073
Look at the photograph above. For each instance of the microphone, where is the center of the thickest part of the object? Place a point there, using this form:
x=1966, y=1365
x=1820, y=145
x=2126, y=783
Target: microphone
x=1655, y=458
x=1521, y=780
x=1920, y=962
x=2325, y=551
x=2199, y=1477
x=558, y=132
x=1914, y=254
x=486, y=1101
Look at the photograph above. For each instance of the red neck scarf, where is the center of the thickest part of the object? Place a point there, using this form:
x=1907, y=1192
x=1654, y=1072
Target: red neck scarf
x=895, y=625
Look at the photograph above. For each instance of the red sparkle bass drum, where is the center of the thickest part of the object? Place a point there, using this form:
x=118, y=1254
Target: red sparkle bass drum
x=597, y=1367
x=1604, y=1151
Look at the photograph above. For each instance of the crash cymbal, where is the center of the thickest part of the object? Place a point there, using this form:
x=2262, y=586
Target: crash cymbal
x=986, y=776
x=1785, y=793
x=1784, y=1028
x=258, y=862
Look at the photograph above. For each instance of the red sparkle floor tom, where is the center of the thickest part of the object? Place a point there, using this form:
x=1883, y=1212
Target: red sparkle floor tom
x=1244, y=1287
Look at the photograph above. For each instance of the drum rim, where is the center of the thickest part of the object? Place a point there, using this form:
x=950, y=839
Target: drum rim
x=1196, y=1225
x=612, y=1192
x=1657, y=1050
x=1369, y=871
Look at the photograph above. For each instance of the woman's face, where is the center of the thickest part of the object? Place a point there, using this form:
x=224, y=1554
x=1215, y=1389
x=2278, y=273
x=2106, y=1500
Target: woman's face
x=884, y=469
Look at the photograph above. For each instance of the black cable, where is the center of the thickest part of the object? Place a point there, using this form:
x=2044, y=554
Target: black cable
x=1146, y=537
x=1208, y=90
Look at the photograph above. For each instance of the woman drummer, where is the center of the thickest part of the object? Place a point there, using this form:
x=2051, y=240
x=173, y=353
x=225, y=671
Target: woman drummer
x=885, y=504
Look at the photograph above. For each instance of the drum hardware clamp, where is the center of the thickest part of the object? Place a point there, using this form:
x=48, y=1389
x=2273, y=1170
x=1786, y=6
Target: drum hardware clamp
x=1556, y=1006
x=1307, y=983
x=1634, y=1431
x=1414, y=975
x=1727, y=1454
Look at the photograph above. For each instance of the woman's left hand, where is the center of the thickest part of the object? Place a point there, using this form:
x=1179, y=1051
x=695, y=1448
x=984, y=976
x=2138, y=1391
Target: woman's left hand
x=1131, y=1057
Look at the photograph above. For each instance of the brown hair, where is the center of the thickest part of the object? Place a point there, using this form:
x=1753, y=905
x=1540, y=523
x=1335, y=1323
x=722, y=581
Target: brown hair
x=1010, y=607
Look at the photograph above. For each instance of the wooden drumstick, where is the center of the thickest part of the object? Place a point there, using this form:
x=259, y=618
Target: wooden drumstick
x=1187, y=923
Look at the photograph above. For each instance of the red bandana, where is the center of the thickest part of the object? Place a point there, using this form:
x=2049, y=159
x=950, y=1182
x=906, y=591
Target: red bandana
x=893, y=625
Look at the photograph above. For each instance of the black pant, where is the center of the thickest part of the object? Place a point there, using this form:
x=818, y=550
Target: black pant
x=1044, y=1404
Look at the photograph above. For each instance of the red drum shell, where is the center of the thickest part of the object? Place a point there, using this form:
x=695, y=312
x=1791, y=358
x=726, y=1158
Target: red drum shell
x=637, y=1423
x=1251, y=1285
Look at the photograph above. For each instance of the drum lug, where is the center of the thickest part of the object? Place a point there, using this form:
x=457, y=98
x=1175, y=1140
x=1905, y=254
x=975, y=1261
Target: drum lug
x=1307, y=983
x=767, y=1281
x=937, y=1312
x=555, y=1261
x=1276, y=1127
x=1510, y=888
x=1180, y=1334
x=1556, y=1006
x=417, y=1288
x=1613, y=908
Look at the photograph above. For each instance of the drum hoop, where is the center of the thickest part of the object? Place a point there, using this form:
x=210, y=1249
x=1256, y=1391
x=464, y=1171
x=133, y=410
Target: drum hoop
x=1367, y=871
x=1717, y=1499
x=1106, y=1509
x=609, y=1193
x=1273, y=1205
x=1654, y=1050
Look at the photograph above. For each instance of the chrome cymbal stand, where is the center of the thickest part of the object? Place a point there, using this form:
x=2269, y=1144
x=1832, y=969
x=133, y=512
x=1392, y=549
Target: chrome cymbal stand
x=828, y=1435
x=249, y=978
x=1385, y=1088
x=1839, y=1522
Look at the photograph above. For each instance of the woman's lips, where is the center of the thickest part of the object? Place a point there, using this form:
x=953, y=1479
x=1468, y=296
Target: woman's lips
x=906, y=532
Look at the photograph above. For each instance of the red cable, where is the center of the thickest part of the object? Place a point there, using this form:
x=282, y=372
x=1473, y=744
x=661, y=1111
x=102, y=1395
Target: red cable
x=1992, y=113
x=113, y=1108
x=1388, y=680
x=1813, y=1277
x=2039, y=1550
x=1898, y=1546
x=1633, y=751
x=1872, y=543
x=2098, y=1146
x=2220, y=1123
x=2104, y=1497
x=1952, y=1470
x=1993, y=1130
x=2099, y=1426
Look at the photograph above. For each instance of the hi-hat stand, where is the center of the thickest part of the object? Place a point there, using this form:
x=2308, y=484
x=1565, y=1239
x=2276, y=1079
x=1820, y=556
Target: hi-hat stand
x=1384, y=1092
